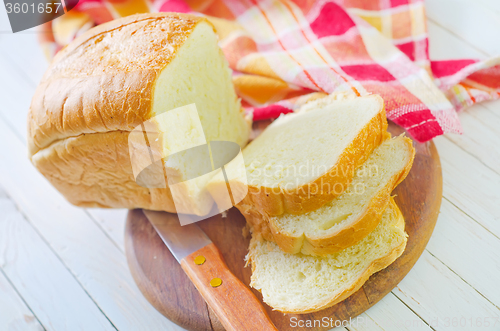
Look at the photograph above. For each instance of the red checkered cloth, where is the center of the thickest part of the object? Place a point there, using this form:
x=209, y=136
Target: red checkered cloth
x=284, y=53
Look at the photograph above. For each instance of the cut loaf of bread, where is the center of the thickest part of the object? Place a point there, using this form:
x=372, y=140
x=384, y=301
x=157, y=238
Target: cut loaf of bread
x=114, y=78
x=297, y=283
x=348, y=218
x=305, y=159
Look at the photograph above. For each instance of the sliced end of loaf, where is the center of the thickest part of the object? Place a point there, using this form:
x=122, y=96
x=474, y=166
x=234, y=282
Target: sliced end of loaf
x=297, y=283
x=121, y=75
x=304, y=160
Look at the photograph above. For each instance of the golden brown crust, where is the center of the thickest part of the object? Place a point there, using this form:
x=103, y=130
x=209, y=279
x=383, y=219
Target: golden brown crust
x=375, y=266
x=94, y=170
x=258, y=224
x=311, y=196
x=103, y=80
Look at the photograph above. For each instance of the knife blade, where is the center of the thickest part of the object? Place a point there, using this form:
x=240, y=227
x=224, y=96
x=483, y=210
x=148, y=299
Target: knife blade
x=181, y=240
x=233, y=302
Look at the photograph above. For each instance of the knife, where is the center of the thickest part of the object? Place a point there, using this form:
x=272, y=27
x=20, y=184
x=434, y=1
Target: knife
x=234, y=303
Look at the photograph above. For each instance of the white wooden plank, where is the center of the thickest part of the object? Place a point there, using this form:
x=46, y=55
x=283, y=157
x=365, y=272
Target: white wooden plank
x=112, y=221
x=445, y=46
x=470, y=185
x=52, y=293
x=481, y=136
x=444, y=300
x=14, y=314
x=15, y=93
x=389, y=314
x=95, y=261
x=476, y=25
x=469, y=250
x=16, y=90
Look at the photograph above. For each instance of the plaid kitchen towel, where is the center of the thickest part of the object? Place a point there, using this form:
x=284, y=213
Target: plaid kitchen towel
x=284, y=53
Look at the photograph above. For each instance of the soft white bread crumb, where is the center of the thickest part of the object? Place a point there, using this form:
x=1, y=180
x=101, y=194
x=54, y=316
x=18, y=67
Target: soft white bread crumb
x=120, y=75
x=297, y=283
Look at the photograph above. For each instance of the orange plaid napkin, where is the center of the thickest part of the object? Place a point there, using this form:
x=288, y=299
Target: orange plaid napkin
x=284, y=53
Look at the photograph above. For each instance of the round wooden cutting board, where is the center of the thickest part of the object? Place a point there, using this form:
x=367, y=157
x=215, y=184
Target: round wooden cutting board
x=164, y=284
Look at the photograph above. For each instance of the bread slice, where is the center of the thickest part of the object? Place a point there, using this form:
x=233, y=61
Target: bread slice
x=114, y=78
x=348, y=218
x=297, y=283
x=304, y=160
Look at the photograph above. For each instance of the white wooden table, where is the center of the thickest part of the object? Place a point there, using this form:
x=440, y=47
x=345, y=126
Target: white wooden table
x=64, y=268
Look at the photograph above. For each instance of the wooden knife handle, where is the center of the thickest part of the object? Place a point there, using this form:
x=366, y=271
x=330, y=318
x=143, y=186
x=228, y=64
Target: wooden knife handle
x=234, y=303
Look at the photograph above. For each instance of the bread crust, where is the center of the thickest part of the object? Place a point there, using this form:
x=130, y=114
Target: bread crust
x=276, y=201
x=90, y=88
x=94, y=170
x=375, y=266
x=350, y=235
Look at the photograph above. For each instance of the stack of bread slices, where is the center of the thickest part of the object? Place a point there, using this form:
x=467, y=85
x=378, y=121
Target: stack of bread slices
x=319, y=201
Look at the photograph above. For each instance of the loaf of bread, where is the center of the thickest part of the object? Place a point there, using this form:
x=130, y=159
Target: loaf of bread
x=297, y=283
x=348, y=218
x=116, y=77
x=306, y=159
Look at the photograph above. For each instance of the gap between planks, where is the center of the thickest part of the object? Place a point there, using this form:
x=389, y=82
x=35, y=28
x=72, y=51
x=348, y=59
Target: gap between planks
x=37, y=273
